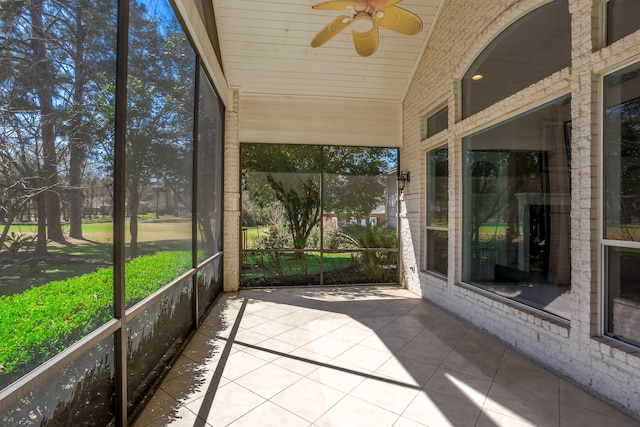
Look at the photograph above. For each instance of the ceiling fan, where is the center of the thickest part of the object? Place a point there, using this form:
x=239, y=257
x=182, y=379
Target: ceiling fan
x=365, y=16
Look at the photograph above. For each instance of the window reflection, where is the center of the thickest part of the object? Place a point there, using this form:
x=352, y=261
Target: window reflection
x=622, y=19
x=622, y=202
x=531, y=49
x=437, y=210
x=516, y=209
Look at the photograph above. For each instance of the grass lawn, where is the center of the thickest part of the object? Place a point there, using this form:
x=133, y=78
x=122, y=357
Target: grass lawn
x=80, y=256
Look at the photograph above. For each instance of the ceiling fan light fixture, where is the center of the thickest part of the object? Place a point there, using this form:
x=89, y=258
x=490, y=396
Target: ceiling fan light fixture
x=362, y=23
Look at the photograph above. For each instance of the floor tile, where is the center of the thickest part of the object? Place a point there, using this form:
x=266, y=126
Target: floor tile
x=495, y=419
x=406, y=371
x=180, y=418
x=535, y=381
x=308, y=399
x=573, y=395
x=351, y=411
x=328, y=346
x=463, y=387
x=269, y=415
x=364, y=357
x=520, y=404
x=358, y=356
x=338, y=378
x=268, y=380
x=191, y=386
x=229, y=403
x=239, y=364
x=386, y=394
x=436, y=410
x=574, y=416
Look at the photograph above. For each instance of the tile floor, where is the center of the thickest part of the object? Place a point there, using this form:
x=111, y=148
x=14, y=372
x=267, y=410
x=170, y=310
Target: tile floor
x=358, y=356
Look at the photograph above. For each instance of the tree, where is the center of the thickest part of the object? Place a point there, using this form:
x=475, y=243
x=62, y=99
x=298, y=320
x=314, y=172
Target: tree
x=290, y=175
x=54, y=56
x=160, y=108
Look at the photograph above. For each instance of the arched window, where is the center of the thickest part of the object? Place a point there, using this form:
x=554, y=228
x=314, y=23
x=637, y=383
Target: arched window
x=531, y=49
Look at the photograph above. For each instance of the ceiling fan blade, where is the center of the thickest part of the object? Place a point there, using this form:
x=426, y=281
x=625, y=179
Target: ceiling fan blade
x=366, y=43
x=334, y=5
x=331, y=30
x=401, y=20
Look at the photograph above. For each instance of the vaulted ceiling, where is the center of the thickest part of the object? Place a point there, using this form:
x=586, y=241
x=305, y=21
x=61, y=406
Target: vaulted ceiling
x=265, y=49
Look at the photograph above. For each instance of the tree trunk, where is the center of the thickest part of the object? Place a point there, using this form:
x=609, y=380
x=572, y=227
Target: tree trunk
x=134, y=203
x=43, y=86
x=41, y=241
x=77, y=142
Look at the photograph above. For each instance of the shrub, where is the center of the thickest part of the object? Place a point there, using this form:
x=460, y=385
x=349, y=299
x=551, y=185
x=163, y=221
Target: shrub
x=42, y=321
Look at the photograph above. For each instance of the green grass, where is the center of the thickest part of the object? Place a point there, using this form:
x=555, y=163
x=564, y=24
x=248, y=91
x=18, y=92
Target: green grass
x=77, y=257
x=291, y=266
x=40, y=322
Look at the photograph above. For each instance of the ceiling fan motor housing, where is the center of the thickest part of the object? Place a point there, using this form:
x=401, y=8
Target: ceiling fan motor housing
x=362, y=23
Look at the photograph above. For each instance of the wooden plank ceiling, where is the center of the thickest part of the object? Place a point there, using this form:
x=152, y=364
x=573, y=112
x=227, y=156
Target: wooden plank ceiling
x=266, y=50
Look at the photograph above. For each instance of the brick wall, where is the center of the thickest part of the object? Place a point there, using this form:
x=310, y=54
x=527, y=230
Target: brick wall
x=232, y=239
x=463, y=30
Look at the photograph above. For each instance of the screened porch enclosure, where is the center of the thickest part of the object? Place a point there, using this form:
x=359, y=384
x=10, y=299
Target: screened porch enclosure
x=318, y=215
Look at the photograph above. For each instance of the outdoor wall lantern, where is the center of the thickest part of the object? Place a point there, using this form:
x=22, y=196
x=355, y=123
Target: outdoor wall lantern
x=403, y=179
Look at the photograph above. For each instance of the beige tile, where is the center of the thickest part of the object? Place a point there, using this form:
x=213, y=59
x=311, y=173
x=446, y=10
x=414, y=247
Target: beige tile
x=328, y=346
x=248, y=321
x=476, y=363
x=250, y=337
x=301, y=317
x=294, y=364
x=465, y=388
x=270, y=349
x=298, y=337
x=339, y=318
x=434, y=353
x=436, y=410
x=574, y=416
x=182, y=366
x=181, y=418
x=270, y=415
x=191, y=386
x=350, y=334
x=390, y=396
x=407, y=371
x=406, y=422
x=535, y=381
x=308, y=399
x=268, y=380
x=337, y=378
x=271, y=328
x=276, y=311
x=239, y=364
x=400, y=331
x=204, y=349
x=364, y=357
x=512, y=357
x=495, y=419
x=351, y=411
x=520, y=404
x=373, y=322
x=229, y=403
x=575, y=396
x=161, y=404
x=391, y=343
x=319, y=325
